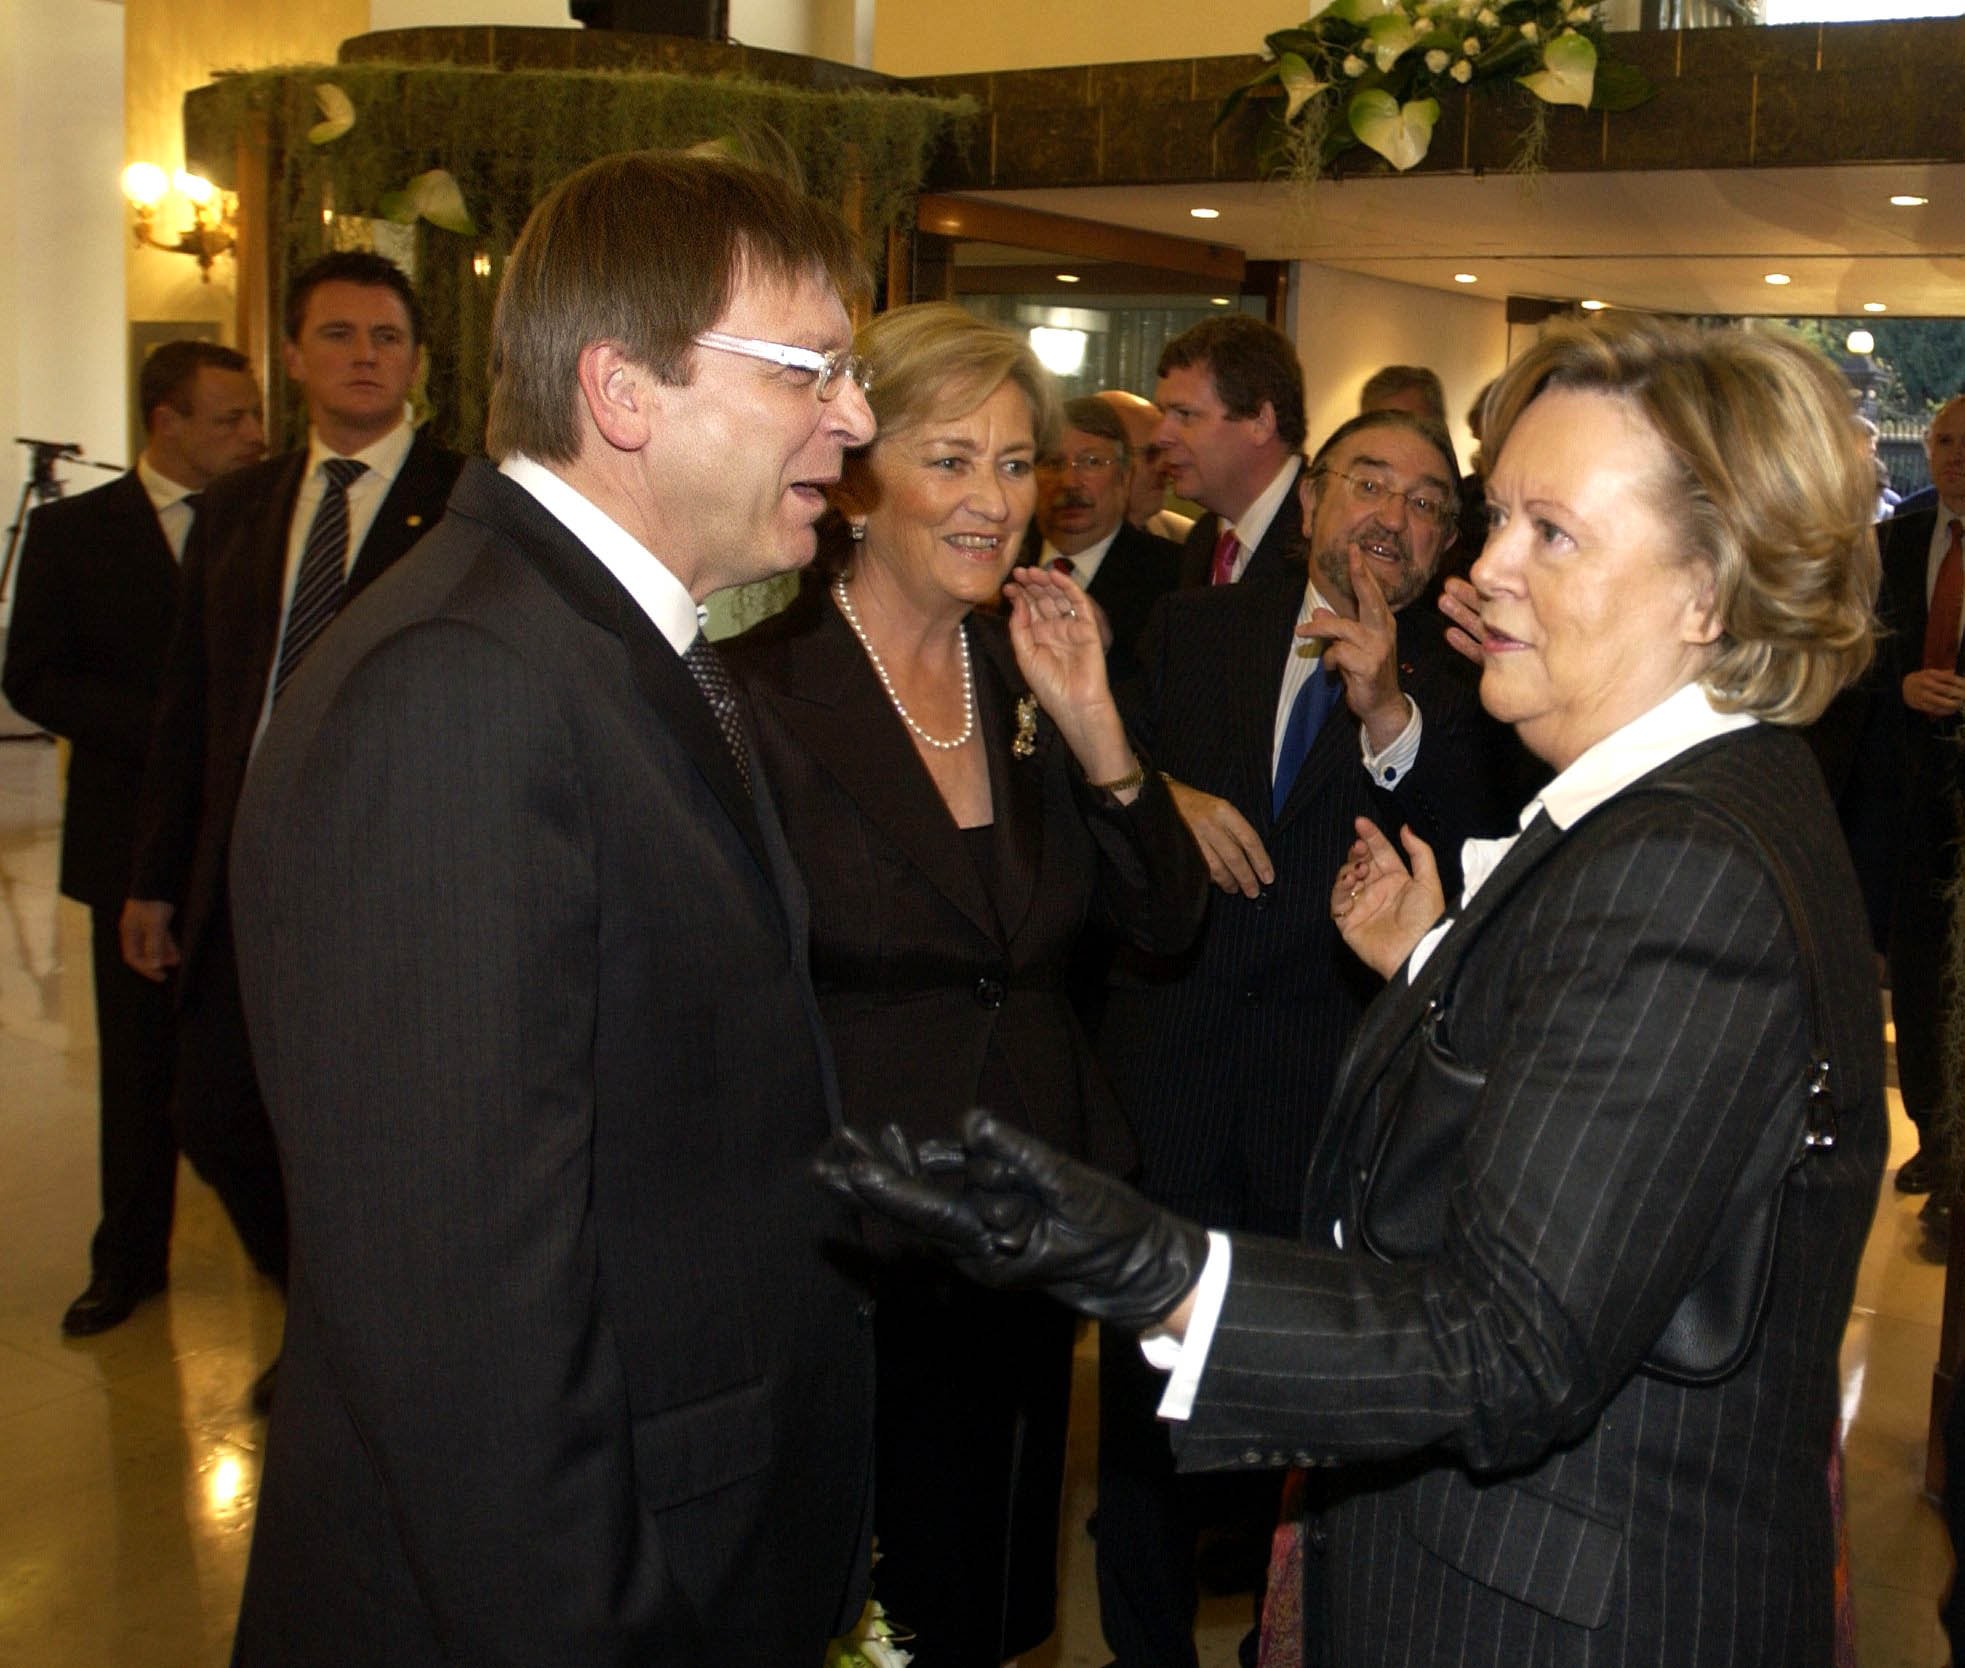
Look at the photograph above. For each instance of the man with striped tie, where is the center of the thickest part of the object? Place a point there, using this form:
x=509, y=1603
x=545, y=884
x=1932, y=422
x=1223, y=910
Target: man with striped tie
x=275, y=552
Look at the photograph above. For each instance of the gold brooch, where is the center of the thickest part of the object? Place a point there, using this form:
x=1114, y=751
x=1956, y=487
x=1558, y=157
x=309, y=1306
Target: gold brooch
x=1025, y=742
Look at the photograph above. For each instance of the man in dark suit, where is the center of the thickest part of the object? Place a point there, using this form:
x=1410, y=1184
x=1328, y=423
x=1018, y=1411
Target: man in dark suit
x=1280, y=711
x=1080, y=527
x=1920, y=606
x=274, y=553
x=569, y=1374
x=98, y=582
x=1146, y=494
x=1230, y=393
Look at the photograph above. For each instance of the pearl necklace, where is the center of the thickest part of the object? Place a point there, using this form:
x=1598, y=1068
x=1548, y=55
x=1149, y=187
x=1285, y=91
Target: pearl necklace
x=887, y=683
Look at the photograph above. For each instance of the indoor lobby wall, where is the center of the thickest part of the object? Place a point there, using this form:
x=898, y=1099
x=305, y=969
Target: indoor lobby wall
x=61, y=285
x=1347, y=325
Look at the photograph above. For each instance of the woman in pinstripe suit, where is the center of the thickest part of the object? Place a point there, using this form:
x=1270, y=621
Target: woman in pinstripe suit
x=1561, y=1394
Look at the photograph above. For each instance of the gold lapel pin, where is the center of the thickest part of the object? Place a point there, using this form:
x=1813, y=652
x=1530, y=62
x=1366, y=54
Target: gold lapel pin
x=416, y=521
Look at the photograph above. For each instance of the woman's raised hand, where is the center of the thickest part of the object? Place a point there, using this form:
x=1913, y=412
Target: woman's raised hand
x=1382, y=908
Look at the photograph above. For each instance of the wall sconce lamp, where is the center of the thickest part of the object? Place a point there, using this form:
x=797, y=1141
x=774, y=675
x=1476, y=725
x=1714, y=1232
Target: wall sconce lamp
x=214, y=229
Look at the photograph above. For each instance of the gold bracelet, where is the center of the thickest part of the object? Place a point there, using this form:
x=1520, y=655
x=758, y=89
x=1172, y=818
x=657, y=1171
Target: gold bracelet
x=1131, y=779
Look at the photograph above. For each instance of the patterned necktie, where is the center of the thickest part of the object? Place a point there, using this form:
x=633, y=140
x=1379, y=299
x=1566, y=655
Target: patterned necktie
x=1221, y=571
x=322, y=586
x=1307, y=714
x=1941, y=630
x=713, y=678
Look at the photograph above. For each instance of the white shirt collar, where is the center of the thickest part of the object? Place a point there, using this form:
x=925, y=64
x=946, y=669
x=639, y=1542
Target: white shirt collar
x=163, y=491
x=384, y=457
x=1253, y=525
x=1085, y=564
x=1682, y=720
x=657, y=592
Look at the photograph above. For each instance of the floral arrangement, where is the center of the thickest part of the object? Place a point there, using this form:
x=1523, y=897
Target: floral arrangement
x=1384, y=64
x=871, y=1644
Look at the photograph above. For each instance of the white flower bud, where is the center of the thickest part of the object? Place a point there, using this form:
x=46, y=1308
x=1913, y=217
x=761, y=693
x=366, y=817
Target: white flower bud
x=1436, y=61
x=1530, y=32
x=1462, y=71
x=1353, y=65
x=1471, y=46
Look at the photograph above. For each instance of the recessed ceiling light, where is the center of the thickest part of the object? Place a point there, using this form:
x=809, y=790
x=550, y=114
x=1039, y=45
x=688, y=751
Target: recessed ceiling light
x=1593, y=306
x=1907, y=200
x=1778, y=278
x=1465, y=278
x=1067, y=277
x=1219, y=300
x=1205, y=213
x=1876, y=307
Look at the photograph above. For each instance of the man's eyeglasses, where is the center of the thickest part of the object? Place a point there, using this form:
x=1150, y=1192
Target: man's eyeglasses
x=825, y=369
x=1086, y=463
x=1375, y=492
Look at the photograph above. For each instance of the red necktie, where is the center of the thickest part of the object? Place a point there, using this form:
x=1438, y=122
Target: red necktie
x=1063, y=565
x=1941, y=634
x=1221, y=571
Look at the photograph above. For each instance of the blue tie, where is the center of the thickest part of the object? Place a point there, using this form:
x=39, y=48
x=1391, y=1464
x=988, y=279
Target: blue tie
x=1307, y=714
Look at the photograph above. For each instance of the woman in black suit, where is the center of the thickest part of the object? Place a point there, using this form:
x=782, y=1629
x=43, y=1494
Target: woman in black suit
x=1559, y=1370
x=962, y=798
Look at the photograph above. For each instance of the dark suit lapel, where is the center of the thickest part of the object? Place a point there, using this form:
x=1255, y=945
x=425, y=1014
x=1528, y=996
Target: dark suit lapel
x=267, y=552
x=414, y=504
x=1016, y=786
x=1390, y=1022
x=1255, y=687
x=137, y=540
x=845, y=720
x=594, y=593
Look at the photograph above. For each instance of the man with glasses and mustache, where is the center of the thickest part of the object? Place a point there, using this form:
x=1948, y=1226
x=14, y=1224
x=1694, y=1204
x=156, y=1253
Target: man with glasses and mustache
x=1281, y=709
x=1082, y=490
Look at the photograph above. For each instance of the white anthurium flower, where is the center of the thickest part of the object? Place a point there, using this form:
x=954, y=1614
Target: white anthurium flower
x=1299, y=81
x=1437, y=61
x=1568, y=74
x=1399, y=133
x=337, y=112
x=435, y=197
x=1530, y=33
x=1391, y=38
x=1354, y=66
x=1462, y=71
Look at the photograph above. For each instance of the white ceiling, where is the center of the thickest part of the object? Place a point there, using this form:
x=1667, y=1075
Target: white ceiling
x=1690, y=241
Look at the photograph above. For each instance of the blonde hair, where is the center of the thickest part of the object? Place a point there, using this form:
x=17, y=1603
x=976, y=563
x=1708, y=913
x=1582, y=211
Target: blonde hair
x=1772, y=491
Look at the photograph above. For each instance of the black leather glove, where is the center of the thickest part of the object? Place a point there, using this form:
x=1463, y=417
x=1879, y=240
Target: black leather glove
x=1011, y=1211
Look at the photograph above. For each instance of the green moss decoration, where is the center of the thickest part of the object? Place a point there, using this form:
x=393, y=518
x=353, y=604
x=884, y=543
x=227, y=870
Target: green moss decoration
x=506, y=136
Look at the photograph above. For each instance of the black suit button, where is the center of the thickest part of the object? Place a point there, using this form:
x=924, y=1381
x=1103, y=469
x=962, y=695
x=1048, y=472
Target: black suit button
x=1318, y=1538
x=989, y=993
x=1251, y=998
x=865, y=1312
x=1261, y=899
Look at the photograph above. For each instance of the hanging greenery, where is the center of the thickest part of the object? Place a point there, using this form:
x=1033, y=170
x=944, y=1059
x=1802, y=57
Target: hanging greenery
x=462, y=154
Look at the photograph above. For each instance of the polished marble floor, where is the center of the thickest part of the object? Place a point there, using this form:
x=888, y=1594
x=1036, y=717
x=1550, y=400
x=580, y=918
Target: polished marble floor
x=129, y=1463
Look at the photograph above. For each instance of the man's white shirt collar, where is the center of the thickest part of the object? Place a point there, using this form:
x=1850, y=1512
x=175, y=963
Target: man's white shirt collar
x=1085, y=564
x=657, y=592
x=384, y=457
x=163, y=491
x=1253, y=526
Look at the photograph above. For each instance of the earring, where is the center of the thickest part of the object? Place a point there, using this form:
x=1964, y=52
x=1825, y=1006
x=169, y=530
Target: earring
x=858, y=528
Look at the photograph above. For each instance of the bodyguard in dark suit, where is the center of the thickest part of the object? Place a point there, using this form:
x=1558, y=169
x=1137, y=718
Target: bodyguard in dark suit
x=98, y=583
x=1223, y=1058
x=1081, y=527
x=569, y=1375
x=1558, y=1346
x=1926, y=692
x=274, y=554
x=1230, y=392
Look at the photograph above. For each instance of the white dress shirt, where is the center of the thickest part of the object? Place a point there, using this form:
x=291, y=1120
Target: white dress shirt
x=1253, y=527
x=657, y=592
x=1681, y=721
x=167, y=498
x=1085, y=563
x=1305, y=653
